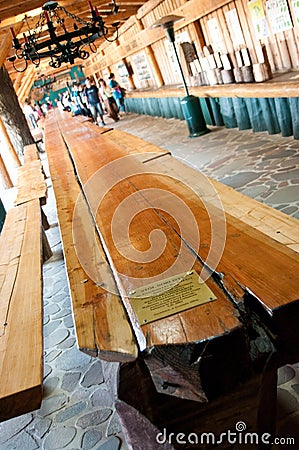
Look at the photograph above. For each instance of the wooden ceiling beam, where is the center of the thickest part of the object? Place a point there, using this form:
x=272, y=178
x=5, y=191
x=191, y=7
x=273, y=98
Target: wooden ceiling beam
x=11, y=21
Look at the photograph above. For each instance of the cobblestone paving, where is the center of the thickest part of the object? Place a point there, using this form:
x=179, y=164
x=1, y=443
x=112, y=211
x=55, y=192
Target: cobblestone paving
x=77, y=411
x=262, y=166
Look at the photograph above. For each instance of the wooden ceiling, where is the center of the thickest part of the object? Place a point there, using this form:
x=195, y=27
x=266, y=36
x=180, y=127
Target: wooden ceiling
x=19, y=14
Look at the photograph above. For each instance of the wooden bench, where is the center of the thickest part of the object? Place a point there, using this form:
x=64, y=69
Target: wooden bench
x=23, y=248
x=203, y=357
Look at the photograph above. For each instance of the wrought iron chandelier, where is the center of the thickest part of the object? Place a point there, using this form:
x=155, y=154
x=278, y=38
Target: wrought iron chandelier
x=61, y=46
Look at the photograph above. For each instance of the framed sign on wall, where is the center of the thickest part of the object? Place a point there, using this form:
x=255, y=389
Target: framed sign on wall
x=279, y=15
x=234, y=27
x=258, y=18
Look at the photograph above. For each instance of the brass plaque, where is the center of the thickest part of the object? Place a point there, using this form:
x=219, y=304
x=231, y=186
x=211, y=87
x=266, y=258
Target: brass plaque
x=170, y=296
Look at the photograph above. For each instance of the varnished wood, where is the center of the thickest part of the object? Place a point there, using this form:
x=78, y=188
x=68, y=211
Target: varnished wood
x=101, y=325
x=275, y=300
x=263, y=266
x=131, y=144
x=191, y=359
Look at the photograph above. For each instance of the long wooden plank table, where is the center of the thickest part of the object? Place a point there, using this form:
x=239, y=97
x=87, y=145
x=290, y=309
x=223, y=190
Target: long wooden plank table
x=179, y=336
x=215, y=352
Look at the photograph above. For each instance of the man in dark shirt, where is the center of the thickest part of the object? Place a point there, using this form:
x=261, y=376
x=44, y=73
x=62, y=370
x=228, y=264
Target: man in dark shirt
x=94, y=101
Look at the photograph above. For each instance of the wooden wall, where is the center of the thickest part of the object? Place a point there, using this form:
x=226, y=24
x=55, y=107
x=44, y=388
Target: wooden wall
x=282, y=47
x=207, y=25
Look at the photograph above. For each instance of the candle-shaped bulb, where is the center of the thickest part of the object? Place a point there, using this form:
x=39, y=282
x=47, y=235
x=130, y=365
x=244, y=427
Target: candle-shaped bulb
x=25, y=38
x=97, y=11
x=12, y=33
x=90, y=5
x=47, y=16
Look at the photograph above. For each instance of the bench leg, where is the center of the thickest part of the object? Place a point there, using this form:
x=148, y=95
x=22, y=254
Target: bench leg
x=266, y=416
x=45, y=222
x=46, y=249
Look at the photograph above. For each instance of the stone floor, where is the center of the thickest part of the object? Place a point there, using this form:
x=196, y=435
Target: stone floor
x=77, y=411
x=262, y=166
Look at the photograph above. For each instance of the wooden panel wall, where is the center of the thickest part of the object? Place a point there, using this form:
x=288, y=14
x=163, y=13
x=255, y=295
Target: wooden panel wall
x=136, y=35
x=282, y=48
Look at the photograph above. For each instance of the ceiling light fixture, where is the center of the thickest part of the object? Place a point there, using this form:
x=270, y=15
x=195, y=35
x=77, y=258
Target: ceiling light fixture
x=62, y=46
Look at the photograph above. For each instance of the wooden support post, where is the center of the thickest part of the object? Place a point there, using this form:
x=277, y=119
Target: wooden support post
x=13, y=161
x=151, y=57
x=24, y=90
x=130, y=78
x=11, y=148
x=154, y=66
x=46, y=249
x=18, y=81
x=5, y=175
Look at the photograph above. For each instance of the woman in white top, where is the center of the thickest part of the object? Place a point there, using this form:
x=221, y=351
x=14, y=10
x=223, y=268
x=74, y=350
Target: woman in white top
x=29, y=114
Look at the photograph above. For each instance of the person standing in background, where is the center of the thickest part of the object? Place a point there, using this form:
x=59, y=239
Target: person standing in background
x=110, y=103
x=83, y=98
x=117, y=94
x=29, y=114
x=94, y=101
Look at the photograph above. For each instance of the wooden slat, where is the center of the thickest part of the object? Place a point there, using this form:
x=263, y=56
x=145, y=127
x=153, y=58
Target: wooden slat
x=21, y=337
x=273, y=223
x=249, y=33
x=7, y=182
x=226, y=35
x=100, y=321
x=31, y=183
x=10, y=251
x=30, y=153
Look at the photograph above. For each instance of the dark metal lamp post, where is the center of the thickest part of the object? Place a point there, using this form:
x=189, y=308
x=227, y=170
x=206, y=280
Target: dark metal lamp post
x=190, y=104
